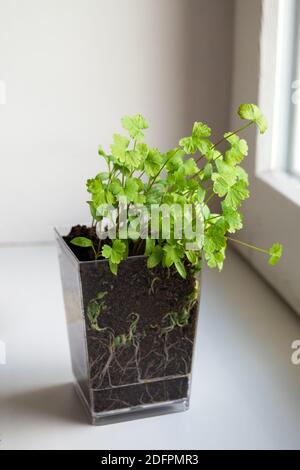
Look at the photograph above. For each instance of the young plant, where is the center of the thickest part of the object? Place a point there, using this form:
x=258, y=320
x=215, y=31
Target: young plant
x=193, y=174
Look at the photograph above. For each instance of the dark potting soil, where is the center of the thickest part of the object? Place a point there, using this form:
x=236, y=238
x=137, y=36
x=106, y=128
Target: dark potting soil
x=140, y=343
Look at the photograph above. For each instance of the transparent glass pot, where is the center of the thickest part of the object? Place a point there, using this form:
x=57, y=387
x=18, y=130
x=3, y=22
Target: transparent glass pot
x=131, y=336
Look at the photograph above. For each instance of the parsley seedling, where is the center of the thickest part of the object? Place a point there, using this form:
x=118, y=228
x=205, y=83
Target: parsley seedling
x=144, y=175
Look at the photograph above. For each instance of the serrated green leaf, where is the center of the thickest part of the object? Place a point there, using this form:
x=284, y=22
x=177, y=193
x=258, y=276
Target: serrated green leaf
x=212, y=154
x=135, y=125
x=206, y=172
x=131, y=189
x=215, y=259
x=236, y=194
x=119, y=148
x=188, y=145
x=238, y=150
x=190, y=167
x=220, y=186
x=242, y=174
x=174, y=159
x=201, y=130
x=227, y=171
x=106, y=251
x=114, y=254
x=198, y=140
x=153, y=162
x=251, y=112
x=233, y=218
x=117, y=252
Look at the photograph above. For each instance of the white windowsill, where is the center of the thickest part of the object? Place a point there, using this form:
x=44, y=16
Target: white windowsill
x=288, y=185
x=245, y=390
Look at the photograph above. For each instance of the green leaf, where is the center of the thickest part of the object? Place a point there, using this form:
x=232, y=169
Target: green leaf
x=117, y=252
x=206, y=172
x=117, y=342
x=242, y=174
x=102, y=153
x=220, y=186
x=205, y=147
x=238, y=150
x=275, y=253
x=155, y=257
x=201, y=130
x=198, y=140
x=215, y=259
x=102, y=176
x=106, y=251
x=115, y=186
x=101, y=295
x=150, y=244
x=131, y=189
x=215, y=238
x=228, y=172
x=82, y=241
x=133, y=159
x=154, y=196
x=134, y=125
x=224, y=179
x=113, y=267
x=205, y=212
x=93, y=312
x=114, y=254
x=200, y=194
x=190, y=167
x=212, y=154
x=153, y=162
x=192, y=256
x=93, y=209
x=251, y=112
x=233, y=218
x=180, y=268
x=95, y=187
x=188, y=145
x=119, y=147
x=174, y=159
x=236, y=194
x=172, y=254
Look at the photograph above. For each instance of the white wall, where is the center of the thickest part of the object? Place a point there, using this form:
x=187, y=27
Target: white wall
x=72, y=68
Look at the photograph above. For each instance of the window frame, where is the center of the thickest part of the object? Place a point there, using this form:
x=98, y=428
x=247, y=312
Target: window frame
x=272, y=214
x=277, y=69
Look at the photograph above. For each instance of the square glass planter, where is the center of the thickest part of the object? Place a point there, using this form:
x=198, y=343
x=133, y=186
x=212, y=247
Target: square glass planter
x=131, y=336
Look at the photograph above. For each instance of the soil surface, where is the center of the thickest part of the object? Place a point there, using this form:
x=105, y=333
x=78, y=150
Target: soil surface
x=140, y=344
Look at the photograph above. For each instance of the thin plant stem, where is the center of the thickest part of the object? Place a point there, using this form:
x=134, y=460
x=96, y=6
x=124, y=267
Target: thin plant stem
x=245, y=126
x=248, y=245
x=209, y=198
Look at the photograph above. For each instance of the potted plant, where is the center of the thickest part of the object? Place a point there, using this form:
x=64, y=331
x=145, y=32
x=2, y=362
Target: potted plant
x=131, y=279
